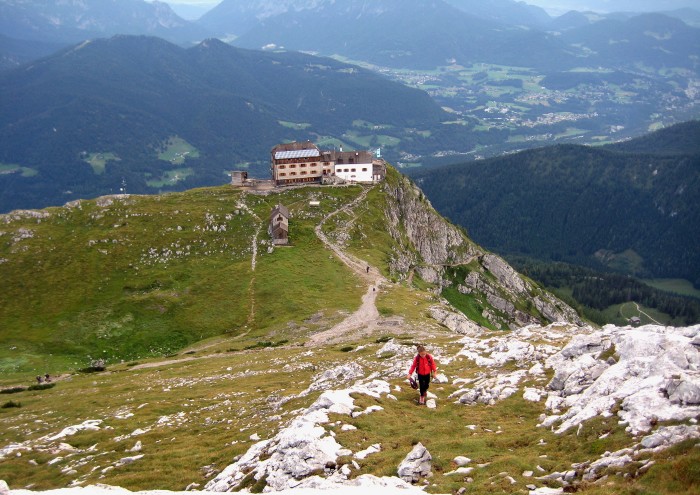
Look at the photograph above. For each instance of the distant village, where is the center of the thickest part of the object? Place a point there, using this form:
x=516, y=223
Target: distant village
x=302, y=163
x=299, y=163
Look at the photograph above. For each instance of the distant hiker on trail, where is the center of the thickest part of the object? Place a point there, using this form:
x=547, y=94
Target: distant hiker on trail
x=368, y=269
x=424, y=365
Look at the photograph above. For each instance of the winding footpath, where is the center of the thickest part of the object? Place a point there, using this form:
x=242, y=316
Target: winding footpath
x=364, y=321
x=254, y=257
x=366, y=318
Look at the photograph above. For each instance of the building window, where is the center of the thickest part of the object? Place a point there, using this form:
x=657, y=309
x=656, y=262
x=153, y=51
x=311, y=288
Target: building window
x=353, y=170
x=293, y=166
x=292, y=173
x=303, y=165
x=282, y=174
x=303, y=172
x=281, y=166
x=364, y=169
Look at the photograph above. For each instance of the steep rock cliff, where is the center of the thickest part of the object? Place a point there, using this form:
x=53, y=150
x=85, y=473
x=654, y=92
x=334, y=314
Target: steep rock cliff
x=441, y=254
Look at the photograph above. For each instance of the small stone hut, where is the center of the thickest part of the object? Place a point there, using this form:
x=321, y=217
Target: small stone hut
x=239, y=177
x=279, y=225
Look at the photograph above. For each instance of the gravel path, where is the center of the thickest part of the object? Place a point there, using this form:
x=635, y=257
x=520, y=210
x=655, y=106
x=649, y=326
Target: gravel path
x=366, y=319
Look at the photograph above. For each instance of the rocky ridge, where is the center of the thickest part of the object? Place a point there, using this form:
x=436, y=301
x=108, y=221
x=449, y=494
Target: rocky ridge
x=647, y=376
x=430, y=246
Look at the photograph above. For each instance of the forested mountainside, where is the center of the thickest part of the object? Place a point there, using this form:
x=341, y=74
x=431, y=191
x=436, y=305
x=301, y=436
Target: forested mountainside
x=146, y=115
x=631, y=206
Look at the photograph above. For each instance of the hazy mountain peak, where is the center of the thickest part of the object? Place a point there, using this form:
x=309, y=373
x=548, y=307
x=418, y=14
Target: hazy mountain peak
x=73, y=20
x=239, y=16
x=504, y=11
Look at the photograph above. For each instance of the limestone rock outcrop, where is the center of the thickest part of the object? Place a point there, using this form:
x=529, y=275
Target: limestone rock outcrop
x=456, y=322
x=650, y=373
x=428, y=240
x=299, y=451
x=440, y=253
x=416, y=465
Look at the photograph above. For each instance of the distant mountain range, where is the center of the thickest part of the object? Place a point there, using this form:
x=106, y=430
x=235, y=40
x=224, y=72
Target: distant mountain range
x=237, y=17
x=30, y=29
x=419, y=34
x=505, y=11
x=607, y=6
x=157, y=116
x=392, y=33
x=71, y=21
x=631, y=206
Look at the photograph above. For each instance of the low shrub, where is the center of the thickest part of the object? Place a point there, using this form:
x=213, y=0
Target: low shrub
x=12, y=390
x=96, y=365
x=91, y=369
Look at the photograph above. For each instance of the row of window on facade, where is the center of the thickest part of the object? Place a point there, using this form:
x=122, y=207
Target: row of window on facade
x=325, y=172
x=302, y=165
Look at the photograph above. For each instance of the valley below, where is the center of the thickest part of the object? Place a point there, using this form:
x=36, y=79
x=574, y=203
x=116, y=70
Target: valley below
x=509, y=108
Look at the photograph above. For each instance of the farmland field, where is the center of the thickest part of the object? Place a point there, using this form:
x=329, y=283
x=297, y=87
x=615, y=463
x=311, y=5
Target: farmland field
x=176, y=150
x=531, y=108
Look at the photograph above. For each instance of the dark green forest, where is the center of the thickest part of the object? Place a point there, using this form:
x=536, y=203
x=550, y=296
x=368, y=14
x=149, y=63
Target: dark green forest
x=615, y=208
x=593, y=291
x=129, y=94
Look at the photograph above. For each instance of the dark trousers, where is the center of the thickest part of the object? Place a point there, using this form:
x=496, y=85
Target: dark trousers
x=423, y=383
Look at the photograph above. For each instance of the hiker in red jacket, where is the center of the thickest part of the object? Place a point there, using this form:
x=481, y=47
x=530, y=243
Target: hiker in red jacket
x=424, y=365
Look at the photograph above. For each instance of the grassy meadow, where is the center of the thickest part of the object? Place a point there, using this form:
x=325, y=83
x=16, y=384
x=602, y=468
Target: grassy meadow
x=204, y=332
x=129, y=278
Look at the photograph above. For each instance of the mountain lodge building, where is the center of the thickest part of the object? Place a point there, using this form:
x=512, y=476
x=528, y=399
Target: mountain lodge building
x=302, y=162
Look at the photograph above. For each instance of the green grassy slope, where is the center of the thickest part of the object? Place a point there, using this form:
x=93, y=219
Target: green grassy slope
x=123, y=278
x=146, y=276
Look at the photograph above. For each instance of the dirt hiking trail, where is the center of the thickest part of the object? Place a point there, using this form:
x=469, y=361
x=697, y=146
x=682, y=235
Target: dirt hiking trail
x=366, y=319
